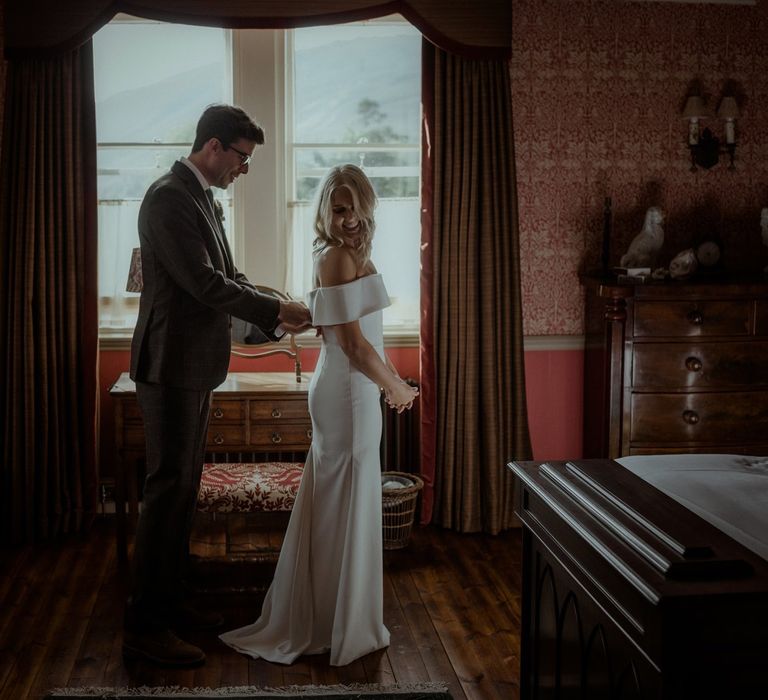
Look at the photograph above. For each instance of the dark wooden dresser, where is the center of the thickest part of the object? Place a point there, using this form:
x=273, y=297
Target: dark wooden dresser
x=676, y=367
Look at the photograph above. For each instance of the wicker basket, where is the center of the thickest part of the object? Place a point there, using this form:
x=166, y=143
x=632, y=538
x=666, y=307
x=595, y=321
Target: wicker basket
x=399, y=508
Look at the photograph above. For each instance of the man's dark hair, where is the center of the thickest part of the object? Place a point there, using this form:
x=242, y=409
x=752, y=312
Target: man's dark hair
x=228, y=124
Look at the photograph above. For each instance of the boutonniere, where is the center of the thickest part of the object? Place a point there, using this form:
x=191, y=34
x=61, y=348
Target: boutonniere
x=218, y=209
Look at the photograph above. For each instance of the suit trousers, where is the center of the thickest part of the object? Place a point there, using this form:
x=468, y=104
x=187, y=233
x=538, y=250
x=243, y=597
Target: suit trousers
x=176, y=425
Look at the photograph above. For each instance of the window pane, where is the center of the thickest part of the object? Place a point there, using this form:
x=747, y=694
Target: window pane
x=118, y=236
x=357, y=81
x=153, y=80
x=396, y=253
x=145, y=99
x=393, y=173
x=360, y=84
x=126, y=173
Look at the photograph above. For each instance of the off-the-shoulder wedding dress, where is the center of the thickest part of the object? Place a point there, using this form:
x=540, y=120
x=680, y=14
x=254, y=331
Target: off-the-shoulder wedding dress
x=327, y=593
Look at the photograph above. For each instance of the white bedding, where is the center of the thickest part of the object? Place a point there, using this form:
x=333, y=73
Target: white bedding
x=714, y=487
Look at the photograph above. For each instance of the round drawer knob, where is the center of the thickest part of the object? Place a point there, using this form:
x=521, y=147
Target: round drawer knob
x=309, y=433
x=277, y=438
x=218, y=413
x=218, y=439
x=276, y=413
x=694, y=364
x=695, y=317
x=691, y=417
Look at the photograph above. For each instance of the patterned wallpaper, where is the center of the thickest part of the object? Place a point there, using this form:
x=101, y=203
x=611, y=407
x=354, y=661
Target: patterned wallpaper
x=598, y=87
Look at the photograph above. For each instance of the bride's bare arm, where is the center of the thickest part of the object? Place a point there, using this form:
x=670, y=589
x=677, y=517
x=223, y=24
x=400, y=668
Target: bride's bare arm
x=337, y=266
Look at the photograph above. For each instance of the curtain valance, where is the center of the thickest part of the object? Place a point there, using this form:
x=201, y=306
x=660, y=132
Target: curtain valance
x=465, y=27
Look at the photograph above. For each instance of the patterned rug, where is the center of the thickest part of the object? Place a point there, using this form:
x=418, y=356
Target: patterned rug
x=418, y=691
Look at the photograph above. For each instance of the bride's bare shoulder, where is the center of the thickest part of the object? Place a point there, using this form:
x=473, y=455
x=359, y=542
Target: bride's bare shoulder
x=335, y=265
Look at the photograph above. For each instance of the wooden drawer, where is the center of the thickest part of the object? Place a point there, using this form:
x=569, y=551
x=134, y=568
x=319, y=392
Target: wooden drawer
x=713, y=418
x=692, y=318
x=131, y=412
x=133, y=436
x=221, y=410
x=227, y=411
x=279, y=409
x=281, y=436
x=668, y=366
x=225, y=435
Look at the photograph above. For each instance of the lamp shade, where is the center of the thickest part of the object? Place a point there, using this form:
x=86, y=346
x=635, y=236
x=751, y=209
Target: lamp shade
x=728, y=109
x=135, y=281
x=695, y=108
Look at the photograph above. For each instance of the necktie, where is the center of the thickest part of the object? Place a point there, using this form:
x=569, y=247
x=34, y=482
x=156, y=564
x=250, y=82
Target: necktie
x=219, y=233
x=214, y=209
x=209, y=197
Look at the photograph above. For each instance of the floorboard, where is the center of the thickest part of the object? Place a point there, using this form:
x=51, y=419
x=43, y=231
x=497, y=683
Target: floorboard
x=451, y=603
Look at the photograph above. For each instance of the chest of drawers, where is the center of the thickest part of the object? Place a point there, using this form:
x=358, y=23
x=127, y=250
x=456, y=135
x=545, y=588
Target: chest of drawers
x=676, y=367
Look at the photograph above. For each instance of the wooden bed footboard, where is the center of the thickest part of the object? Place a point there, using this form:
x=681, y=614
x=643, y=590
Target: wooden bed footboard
x=626, y=594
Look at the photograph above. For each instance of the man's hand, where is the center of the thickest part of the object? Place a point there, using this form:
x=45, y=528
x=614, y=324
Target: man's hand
x=294, y=316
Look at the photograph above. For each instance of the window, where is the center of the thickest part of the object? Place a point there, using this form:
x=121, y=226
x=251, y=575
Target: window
x=150, y=90
x=357, y=98
x=324, y=95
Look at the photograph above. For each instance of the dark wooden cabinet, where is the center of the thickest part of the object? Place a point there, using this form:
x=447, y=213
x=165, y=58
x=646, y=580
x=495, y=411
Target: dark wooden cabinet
x=676, y=367
x=627, y=594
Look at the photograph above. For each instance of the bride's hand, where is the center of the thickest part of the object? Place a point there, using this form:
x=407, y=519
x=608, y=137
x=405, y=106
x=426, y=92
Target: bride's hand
x=401, y=396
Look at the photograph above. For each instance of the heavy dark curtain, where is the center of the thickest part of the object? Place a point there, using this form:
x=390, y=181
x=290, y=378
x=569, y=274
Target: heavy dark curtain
x=467, y=27
x=472, y=365
x=48, y=323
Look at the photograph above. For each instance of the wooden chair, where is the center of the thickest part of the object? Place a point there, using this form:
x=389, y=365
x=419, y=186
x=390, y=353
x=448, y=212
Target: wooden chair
x=246, y=335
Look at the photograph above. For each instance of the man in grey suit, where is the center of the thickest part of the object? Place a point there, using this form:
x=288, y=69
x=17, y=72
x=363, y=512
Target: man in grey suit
x=179, y=354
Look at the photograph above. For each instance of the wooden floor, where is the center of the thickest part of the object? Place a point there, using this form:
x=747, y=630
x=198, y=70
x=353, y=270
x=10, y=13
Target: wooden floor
x=451, y=602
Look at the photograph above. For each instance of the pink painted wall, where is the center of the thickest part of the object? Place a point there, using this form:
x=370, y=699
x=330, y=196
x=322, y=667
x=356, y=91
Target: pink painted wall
x=554, y=382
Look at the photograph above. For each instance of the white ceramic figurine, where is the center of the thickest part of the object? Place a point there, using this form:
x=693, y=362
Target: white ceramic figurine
x=645, y=245
x=683, y=265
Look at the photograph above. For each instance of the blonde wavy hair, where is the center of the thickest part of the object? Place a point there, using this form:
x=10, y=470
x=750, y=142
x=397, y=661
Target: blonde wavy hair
x=364, y=200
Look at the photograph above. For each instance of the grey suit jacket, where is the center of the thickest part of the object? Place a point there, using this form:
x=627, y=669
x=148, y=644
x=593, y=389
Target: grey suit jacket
x=191, y=288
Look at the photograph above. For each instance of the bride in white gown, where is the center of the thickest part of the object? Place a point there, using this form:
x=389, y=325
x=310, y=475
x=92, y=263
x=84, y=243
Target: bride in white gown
x=327, y=593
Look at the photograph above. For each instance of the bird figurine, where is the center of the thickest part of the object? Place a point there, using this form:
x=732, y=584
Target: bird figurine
x=764, y=229
x=645, y=245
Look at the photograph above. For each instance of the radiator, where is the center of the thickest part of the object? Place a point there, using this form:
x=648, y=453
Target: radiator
x=400, y=447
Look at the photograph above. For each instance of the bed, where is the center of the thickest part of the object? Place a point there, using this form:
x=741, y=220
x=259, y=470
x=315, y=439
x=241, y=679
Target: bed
x=645, y=577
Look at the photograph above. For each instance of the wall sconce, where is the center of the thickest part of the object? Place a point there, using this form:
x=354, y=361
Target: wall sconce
x=704, y=145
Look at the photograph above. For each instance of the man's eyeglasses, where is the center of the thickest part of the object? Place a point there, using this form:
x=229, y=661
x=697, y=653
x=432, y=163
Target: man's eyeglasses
x=244, y=157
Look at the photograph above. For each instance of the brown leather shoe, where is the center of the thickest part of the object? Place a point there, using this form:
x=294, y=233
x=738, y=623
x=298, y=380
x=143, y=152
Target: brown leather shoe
x=185, y=617
x=161, y=646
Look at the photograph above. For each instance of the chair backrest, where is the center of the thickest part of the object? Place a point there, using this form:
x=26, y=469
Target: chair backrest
x=247, y=336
